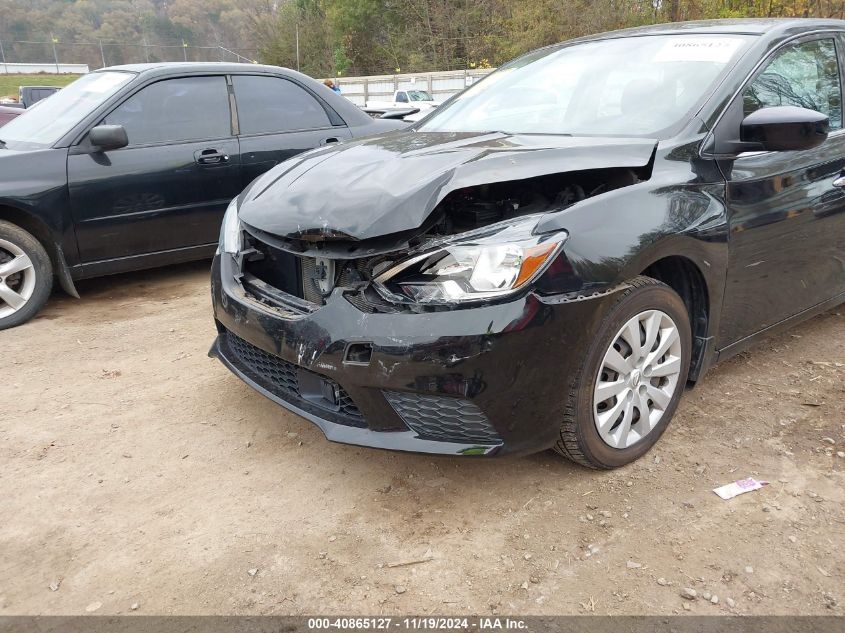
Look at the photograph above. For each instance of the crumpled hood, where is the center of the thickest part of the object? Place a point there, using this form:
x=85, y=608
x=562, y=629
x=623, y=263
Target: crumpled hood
x=390, y=184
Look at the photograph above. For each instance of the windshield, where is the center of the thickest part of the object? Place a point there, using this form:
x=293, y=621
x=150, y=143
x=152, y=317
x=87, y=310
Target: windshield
x=419, y=95
x=56, y=115
x=634, y=86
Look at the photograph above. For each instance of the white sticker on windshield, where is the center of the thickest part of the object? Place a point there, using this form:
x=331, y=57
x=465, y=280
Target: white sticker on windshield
x=106, y=82
x=698, y=49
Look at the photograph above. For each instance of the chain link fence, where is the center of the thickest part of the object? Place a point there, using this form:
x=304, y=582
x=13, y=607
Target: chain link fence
x=102, y=53
x=54, y=56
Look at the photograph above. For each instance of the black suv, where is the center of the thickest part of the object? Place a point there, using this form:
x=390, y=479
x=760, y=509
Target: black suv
x=133, y=166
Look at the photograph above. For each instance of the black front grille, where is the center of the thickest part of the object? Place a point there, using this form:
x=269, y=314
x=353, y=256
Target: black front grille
x=282, y=379
x=443, y=418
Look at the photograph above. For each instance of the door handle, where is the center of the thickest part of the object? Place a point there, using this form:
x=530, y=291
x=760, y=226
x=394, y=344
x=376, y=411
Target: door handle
x=839, y=182
x=331, y=140
x=211, y=157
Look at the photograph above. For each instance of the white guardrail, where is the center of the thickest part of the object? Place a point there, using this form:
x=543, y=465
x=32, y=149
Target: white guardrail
x=51, y=68
x=440, y=85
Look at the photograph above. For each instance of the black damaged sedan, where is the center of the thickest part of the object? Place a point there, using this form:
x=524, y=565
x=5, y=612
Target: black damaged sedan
x=547, y=260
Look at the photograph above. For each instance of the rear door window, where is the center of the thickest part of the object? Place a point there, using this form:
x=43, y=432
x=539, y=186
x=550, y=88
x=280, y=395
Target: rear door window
x=176, y=110
x=268, y=105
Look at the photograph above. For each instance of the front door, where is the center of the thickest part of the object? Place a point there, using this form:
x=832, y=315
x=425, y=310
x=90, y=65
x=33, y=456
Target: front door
x=786, y=216
x=168, y=189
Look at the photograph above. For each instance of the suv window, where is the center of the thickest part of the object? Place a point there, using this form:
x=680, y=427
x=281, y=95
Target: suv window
x=804, y=75
x=270, y=104
x=174, y=110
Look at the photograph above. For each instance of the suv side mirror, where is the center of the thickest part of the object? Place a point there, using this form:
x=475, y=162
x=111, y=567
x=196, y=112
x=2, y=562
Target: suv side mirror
x=785, y=128
x=108, y=137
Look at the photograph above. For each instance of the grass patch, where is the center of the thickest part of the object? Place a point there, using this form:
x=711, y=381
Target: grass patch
x=9, y=84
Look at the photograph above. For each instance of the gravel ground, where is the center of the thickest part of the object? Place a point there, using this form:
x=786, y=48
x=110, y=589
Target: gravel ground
x=138, y=472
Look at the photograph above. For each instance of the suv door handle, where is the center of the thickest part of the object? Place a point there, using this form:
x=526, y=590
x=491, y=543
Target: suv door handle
x=331, y=140
x=211, y=157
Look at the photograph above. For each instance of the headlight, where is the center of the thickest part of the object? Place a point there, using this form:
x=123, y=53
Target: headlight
x=493, y=262
x=230, y=231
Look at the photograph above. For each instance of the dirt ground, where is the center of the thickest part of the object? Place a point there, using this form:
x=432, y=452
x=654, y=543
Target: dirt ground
x=135, y=471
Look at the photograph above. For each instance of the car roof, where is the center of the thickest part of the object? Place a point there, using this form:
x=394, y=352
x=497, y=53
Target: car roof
x=773, y=27
x=166, y=68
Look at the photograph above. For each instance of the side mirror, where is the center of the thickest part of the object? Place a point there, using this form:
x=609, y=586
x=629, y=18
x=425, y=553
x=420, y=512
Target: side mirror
x=785, y=128
x=108, y=137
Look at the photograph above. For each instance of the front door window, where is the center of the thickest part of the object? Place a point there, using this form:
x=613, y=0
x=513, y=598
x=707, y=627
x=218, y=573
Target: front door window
x=805, y=75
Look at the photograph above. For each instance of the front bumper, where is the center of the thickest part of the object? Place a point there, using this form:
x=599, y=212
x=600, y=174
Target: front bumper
x=481, y=381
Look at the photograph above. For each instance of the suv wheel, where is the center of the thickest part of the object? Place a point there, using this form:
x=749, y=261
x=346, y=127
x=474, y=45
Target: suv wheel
x=26, y=276
x=632, y=378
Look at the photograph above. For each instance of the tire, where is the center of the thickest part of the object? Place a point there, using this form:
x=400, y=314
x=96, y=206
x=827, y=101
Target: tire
x=593, y=427
x=24, y=286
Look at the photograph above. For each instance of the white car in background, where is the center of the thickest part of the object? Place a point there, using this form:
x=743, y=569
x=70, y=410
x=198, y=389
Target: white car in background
x=406, y=99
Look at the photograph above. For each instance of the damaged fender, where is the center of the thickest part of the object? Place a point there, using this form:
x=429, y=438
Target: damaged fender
x=621, y=234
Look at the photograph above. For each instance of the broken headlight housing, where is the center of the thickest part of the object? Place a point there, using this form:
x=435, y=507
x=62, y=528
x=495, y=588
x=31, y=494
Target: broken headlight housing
x=230, y=231
x=492, y=262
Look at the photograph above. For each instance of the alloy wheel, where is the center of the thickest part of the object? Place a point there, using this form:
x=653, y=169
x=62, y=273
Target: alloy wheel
x=638, y=377
x=17, y=278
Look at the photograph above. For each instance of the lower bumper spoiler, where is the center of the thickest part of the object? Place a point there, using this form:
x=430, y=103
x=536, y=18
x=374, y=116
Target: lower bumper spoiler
x=407, y=441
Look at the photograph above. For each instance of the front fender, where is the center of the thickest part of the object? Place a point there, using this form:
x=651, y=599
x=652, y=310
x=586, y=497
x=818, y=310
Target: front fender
x=615, y=236
x=33, y=190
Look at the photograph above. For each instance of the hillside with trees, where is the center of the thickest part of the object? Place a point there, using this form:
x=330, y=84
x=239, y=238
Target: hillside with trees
x=342, y=37
x=122, y=31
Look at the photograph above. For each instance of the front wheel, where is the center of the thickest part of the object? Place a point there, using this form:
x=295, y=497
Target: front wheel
x=26, y=276
x=632, y=378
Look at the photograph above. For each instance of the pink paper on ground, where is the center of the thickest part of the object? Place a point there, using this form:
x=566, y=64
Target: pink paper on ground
x=741, y=486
